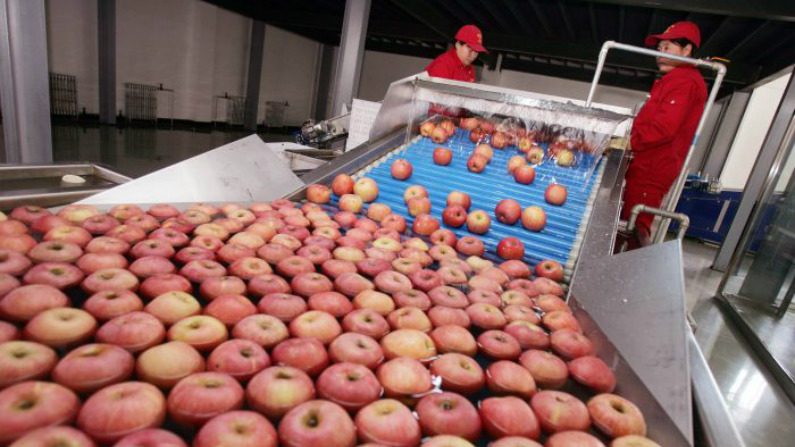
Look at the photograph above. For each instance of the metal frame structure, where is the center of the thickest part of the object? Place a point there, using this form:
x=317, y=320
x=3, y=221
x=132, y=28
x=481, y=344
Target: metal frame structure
x=720, y=69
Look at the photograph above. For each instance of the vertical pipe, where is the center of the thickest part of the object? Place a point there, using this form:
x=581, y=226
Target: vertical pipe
x=349, y=61
x=254, y=76
x=24, y=82
x=106, y=37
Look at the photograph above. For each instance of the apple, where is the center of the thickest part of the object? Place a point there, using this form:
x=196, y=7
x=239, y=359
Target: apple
x=68, y=233
x=378, y=211
x=632, y=441
x=277, y=389
x=134, y=331
x=452, y=275
x=499, y=140
x=401, y=169
x=165, y=365
x=13, y=263
x=230, y=309
x=448, y=296
x=535, y=155
x=13, y=228
x=93, y=366
x=506, y=377
x=342, y=184
x=477, y=163
x=410, y=343
x=476, y=135
x=534, y=218
x=548, y=268
x=351, y=284
x=91, y=262
x=316, y=193
x=44, y=224
x=237, y=428
x=448, y=126
x=559, y=411
x=418, y=205
x=510, y=248
x=444, y=315
x=350, y=385
x=508, y=416
x=128, y=233
x=484, y=296
x=118, y=410
x=593, y=373
x=508, y=211
x=561, y=319
x=55, y=251
x=57, y=274
x=283, y=306
x=486, y=316
x=449, y=414
x=25, y=360
x=193, y=253
x=442, y=156
x=484, y=150
x=514, y=441
x=265, y=330
x=60, y=327
x=555, y=194
x=470, y=246
x=515, y=269
x=548, y=370
x=374, y=300
x=110, y=279
x=366, y=188
x=469, y=123
x=99, y=224
x=21, y=243
x=316, y=324
x=351, y=203
x=524, y=174
x=356, y=348
x=28, y=213
x=549, y=303
x=515, y=162
x=158, y=284
x=388, y=422
x=394, y=222
x=203, y=332
x=566, y=158
x=459, y=373
x=414, y=191
x=499, y=345
x=459, y=198
x=171, y=307
x=478, y=222
x=439, y=135
x=307, y=354
x=426, y=128
x=199, y=397
x=77, y=213
x=232, y=252
x=151, y=266
x=425, y=225
x=54, y=436
x=446, y=441
x=453, y=338
x=29, y=405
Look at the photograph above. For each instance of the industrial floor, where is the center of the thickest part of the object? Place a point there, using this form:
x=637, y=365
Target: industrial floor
x=761, y=411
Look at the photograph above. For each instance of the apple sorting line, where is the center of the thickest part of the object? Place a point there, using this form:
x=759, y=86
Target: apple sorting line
x=559, y=240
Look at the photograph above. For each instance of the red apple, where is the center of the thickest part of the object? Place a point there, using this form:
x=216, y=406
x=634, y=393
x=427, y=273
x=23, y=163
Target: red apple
x=566, y=158
x=505, y=377
x=470, y=246
x=342, y=184
x=535, y=155
x=425, y=224
x=484, y=150
x=306, y=354
x=366, y=188
x=414, y=191
x=459, y=373
x=60, y=327
x=24, y=360
x=118, y=410
x=237, y=428
x=534, y=218
x=110, y=279
x=54, y=436
x=593, y=373
x=555, y=194
x=549, y=269
x=449, y=414
x=508, y=211
x=478, y=222
x=57, y=274
x=442, y=156
x=13, y=263
x=388, y=422
x=459, y=198
x=275, y=390
x=453, y=338
x=508, y=416
x=29, y=405
x=134, y=331
x=316, y=193
x=426, y=128
x=401, y=169
x=158, y=284
x=200, y=396
x=93, y=366
x=349, y=385
x=510, y=248
x=165, y=365
x=439, y=135
x=171, y=307
x=68, y=233
x=558, y=411
x=477, y=163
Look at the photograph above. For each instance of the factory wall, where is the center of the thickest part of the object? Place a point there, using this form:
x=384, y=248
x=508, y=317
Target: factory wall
x=197, y=49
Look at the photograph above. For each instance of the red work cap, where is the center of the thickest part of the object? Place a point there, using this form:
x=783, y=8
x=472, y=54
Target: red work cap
x=679, y=30
x=471, y=35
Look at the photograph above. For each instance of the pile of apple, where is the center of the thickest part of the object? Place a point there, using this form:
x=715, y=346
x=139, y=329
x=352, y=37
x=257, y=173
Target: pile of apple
x=284, y=324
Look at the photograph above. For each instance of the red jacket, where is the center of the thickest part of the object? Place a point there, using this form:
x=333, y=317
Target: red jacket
x=664, y=128
x=447, y=65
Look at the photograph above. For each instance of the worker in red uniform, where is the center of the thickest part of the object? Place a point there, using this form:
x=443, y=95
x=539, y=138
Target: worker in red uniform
x=664, y=128
x=456, y=63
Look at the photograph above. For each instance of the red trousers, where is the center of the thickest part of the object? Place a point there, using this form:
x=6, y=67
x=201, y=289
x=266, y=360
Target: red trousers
x=646, y=195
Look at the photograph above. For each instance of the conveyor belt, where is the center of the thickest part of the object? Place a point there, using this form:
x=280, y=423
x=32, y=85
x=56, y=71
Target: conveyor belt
x=559, y=240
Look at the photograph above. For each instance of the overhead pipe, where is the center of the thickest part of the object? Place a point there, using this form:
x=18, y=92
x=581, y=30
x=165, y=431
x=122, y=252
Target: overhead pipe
x=719, y=68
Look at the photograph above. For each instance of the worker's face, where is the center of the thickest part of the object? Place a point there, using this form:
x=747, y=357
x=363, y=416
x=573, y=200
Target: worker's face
x=465, y=54
x=666, y=46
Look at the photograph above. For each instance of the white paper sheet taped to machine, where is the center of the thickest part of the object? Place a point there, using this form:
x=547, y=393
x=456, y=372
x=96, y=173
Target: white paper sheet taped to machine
x=363, y=115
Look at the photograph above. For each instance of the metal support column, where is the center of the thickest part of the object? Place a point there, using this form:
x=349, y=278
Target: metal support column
x=24, y=82
x=106, y=37
x=323, y=81
x=349, y=61
x=255, y=55
x=727, y=130
x=759, y=174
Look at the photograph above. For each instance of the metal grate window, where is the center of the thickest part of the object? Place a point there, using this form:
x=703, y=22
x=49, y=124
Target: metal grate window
x=236, y=110
x=63, y=95
x=140, y=101
x=274, y=113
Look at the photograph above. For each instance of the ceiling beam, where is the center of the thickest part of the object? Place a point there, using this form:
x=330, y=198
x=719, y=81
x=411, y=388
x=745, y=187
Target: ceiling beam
x=425, y=13
x=455, y=11
x=622, y=12
x=781, y=10
x=520, y=18
x=708, y=45
x=593, y=22
x=748, y=38
x=495, y=13
x=542, y=18
x=566, y=20
x=476, y=14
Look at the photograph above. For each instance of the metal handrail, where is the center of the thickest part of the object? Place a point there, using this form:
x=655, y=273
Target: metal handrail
x=676, y=190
